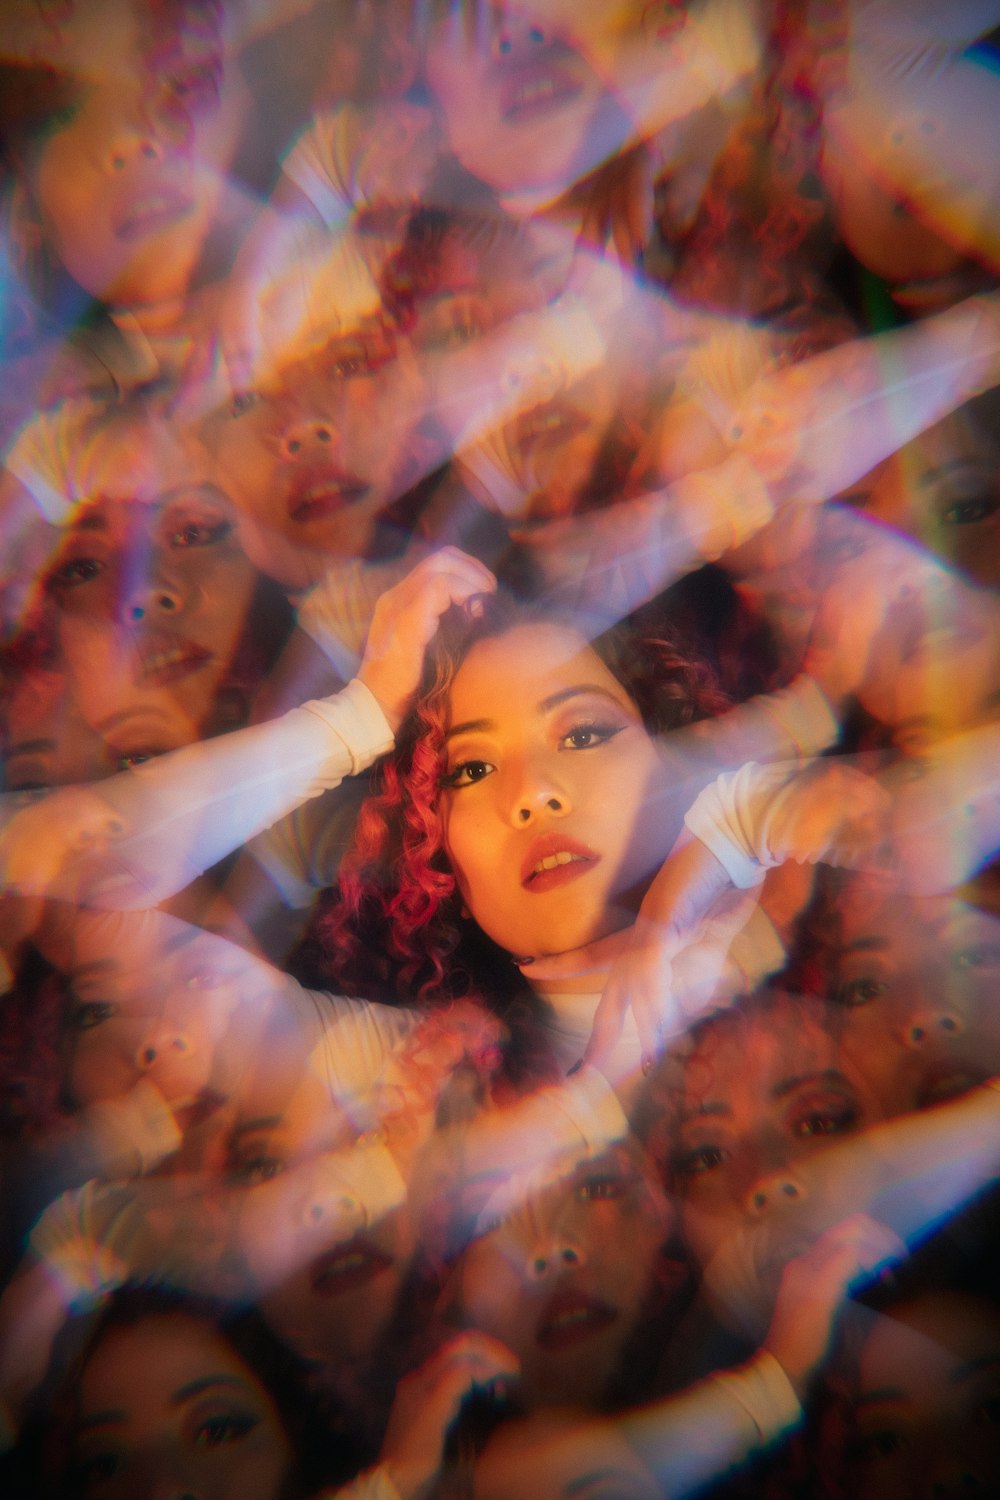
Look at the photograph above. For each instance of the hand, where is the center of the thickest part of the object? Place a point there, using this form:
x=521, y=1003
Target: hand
x=428, y=1401
x=814, y=1284
x=46, y=847
x=641, y=974
x=406, y=619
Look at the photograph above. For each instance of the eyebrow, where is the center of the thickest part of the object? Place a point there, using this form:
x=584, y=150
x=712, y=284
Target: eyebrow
x=789, y=1085
x=206, y=1383
x=29, y=747
x=266, y=1122
x=94, y=969
x=884, y=1393
x=715, y=1108
x=584, y=689
x=871, y=944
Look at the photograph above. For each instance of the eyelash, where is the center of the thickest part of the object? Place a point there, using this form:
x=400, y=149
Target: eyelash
x=460, y=776
x=91, y=1014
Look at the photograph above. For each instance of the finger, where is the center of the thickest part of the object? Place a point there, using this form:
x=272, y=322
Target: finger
x=609, y=1019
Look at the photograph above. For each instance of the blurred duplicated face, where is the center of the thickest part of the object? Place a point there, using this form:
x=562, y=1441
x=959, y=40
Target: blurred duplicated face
x=759, y=1094
x=564, y=1276
x=132, y=181
x=168, y=1407
x=552, y=800
x=313, y=464
x=917, y=981
x=522, y=104
x=927, y=1409
x=152, y=591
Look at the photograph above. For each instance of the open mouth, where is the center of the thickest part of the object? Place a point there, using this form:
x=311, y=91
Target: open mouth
x=550, y=424
x=316, y=496
x=533, y=87
x=570, y=1318
x=553, y=861
x=151, y=212
x=947, y=1083
x=347, y=1267
x=162, y=660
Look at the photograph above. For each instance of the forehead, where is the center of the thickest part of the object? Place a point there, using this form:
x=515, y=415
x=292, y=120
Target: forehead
x=153, y=1359
x=744, y=1058
x=503, y=676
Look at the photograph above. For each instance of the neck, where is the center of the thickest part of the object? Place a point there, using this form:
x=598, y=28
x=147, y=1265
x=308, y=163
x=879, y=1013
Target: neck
x=581, y=971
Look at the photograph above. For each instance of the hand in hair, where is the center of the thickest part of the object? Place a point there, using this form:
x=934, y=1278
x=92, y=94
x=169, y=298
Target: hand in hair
x=405, y=621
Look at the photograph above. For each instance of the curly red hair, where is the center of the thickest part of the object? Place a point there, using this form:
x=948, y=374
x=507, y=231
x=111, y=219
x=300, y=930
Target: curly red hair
x=395, y=918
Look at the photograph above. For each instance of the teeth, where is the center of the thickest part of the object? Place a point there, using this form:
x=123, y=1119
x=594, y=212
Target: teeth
x=161, y=659
x=531, y=93
x=553, y=861
x=571, y=1318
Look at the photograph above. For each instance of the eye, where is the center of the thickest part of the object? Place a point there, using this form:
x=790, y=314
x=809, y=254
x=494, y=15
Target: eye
x=589, y=735
x=861, y=991
x=467, y=773
x=970, y=510
x=600, y=1190
x=817, y=1123
x=92, y=1013
x=75, y=571
x=257, y=1169
x=877, y=1445
x=95, y=1470
x=200, y=533
x=231, y=1427
x=131, y=758
x=982, y=956
x=699, y=1160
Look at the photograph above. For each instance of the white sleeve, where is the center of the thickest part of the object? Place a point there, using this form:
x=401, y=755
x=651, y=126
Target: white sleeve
x=153, y=828
x=36, y=458
x=315, y=165
x=716, y=1425
x=731, y=816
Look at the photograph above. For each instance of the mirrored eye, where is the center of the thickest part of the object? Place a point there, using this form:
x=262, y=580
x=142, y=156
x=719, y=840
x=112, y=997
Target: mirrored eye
x=601, y=1189
x=699, y=1159
x=257, y=1169
x=92, y=1013
x=970, y=511
x=861, y=991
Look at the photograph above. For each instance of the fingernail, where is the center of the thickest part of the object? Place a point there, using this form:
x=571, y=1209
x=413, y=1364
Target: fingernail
x=648, y=1064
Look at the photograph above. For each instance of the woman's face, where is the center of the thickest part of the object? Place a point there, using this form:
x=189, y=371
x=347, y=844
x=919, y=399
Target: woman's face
x=152, y=594
x=168, y=1407
x=315, y=461
x=562, y=1456
x=917, y=981
x=759, y=1094
x=47, y=742
x=131, y=183
x=554, y=801
x=522, y=105
x=927, y=1410
x=564, y=1275
x=944, y=489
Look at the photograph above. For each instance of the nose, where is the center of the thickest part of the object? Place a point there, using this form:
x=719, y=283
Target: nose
x=161, y=1045
x=552, y=1254
x=308, y=440
x=535, y=794
x=775, y=1192
x=932, y=1024
x=156, y=592
x=136, y=142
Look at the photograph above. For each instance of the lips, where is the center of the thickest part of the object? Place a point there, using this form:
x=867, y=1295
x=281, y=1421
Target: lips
x=948, y=1081
x=163, y=659
x=554, y=860
x=571, y=1317
x=158, y=208
x=531, y=87
x=347, y=1267
x=317, y=494
x=553, y=423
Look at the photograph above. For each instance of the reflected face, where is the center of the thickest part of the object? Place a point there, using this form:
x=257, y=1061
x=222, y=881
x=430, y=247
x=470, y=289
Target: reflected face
x=927, y=1412
x=167, y=1406
x=563, y=1278
x=152, y=599
x=123, y=1028
x=47, y=741
x=132, y=180
x=522, y=106
x=944, y=490
x=759, y=1094
x=313, y=464
x=326, y=1280
x=552, y=797
x=917, y=981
